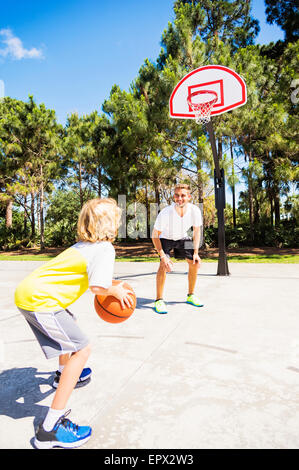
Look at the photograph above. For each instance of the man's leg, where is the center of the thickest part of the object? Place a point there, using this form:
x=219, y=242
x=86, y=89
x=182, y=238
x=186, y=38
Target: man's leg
x=164, y=267
x=160, y=306
x=160, y=281
x=192, y=276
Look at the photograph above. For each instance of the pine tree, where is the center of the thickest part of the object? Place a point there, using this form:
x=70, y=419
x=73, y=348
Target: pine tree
x=227, y=21
x=285, y=13
x=30, y=142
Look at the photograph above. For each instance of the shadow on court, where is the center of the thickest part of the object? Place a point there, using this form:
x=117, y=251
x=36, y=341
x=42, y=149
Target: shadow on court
x=143, y=303
x=21, y=392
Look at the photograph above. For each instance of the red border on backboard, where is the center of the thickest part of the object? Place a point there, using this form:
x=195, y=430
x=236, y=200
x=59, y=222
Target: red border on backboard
x=193, y=88
x=215, y=111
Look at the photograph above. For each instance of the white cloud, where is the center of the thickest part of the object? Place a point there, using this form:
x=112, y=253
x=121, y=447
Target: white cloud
x=13, y=47
x=2, y=89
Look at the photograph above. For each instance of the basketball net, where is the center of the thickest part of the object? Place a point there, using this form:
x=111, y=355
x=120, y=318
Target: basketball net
x=203, y=108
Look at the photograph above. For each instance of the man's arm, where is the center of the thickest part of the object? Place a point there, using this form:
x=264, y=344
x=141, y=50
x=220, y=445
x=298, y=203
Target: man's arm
x=156, y=241
x=196, y=238
x=196, y=241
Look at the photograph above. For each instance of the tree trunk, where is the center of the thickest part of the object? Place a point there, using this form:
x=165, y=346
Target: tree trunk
x=100, y=181
x=80, y=185
x=272, y=211
x=233, y=185
x=8, y=215
x=256, y=212
x=41, y=209
x=199, y=187
x=32, y=215
x=277, y=209
x=258, y=200
x=148, y=234
x=250, y=199
x=25, y=216
x=157, y=194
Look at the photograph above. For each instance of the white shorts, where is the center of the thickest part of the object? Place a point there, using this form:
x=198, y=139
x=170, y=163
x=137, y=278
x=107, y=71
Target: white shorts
x=56, y=332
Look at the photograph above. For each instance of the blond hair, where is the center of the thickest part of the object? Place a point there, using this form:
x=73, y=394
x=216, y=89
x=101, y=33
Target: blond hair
x=98, y=221
x=182, y=186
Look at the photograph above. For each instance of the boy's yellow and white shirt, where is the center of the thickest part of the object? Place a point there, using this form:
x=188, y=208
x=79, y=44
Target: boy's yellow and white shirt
x=61, y=281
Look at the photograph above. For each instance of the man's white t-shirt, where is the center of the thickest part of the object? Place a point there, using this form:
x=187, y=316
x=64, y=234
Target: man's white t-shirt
x=175, y=227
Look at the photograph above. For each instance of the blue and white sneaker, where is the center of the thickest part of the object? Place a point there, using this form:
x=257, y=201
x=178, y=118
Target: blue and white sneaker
x=64, y=434
x=83, y=379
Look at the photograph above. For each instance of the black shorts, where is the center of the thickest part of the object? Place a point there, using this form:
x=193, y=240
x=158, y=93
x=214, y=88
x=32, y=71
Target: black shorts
x=182, y=248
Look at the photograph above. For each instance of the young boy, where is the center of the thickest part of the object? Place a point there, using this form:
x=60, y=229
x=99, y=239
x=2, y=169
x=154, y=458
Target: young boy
x=43, y=298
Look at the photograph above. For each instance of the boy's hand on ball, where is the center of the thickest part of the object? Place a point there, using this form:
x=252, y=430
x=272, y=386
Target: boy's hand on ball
x=123, y=294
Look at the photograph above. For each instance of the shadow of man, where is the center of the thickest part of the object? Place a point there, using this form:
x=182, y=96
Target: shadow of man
x=20, y=393
x=142, y=302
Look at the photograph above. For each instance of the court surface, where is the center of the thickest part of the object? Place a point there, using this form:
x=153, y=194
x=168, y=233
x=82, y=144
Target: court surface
x=225, y=376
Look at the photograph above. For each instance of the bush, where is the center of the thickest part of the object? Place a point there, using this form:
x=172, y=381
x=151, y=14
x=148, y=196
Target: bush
x=286, y=235
x=14, y=237
x=60, y=234
x=283, y=236
x=239, y=236
x=211, y=236
x=61, y=219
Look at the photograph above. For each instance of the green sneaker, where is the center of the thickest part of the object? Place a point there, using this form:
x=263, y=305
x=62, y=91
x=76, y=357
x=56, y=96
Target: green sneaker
x=192, y=299
x=160, y=306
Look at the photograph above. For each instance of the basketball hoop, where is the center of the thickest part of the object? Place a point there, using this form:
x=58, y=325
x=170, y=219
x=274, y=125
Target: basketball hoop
x=203, y=108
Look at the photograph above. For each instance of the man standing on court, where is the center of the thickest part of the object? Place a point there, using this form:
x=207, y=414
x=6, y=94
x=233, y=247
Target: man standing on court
x=170, y=232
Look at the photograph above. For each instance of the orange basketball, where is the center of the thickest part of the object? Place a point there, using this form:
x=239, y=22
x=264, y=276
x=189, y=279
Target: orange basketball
x=109, y=308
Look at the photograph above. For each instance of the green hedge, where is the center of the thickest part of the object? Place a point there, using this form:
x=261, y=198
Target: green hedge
x=286, y=235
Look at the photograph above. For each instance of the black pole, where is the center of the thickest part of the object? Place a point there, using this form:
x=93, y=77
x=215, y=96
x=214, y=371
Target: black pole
x=219, y=184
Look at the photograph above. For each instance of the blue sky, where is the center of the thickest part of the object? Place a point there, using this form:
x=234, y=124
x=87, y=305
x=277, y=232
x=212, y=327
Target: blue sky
x=68, y=54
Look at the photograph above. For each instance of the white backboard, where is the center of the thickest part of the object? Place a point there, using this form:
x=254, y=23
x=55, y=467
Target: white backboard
x=229, y=86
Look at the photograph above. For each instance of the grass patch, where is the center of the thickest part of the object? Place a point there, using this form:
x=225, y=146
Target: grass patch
x=26, y=257
x=287, y=259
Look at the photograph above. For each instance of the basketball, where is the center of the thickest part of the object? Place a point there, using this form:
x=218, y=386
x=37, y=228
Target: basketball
x=109, y=308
